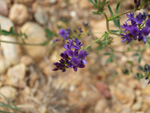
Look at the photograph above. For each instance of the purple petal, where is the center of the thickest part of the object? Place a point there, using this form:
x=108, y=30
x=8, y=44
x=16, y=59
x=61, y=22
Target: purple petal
x=148, y=23
x=70, y=53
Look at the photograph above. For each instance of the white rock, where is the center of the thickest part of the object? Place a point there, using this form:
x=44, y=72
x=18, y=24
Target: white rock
x=101, y=106
x=36, y=34
x=10, y=51
x=18, y=13
x=3, y=65
x=16, y=75
x=41, y=16
x=9, y=92
x=3, y=8
x=5, y=23
x=137, y=106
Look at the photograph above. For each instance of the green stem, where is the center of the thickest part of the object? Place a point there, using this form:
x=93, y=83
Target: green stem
x=115, y=34
x=111, y=18
x=107, y=22
x=12, y=42
x=93, y=42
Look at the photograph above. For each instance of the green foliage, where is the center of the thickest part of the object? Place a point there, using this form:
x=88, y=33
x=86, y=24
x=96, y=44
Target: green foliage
x=105, y=41
x=12, y=33
x=111, y=57
x=99, y=5
x=117, y=19
x=49, y=35
x=11, y=106
x=139, y=76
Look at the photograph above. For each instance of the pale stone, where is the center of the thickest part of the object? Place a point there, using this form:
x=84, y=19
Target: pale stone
x=8, y=92
x=18, y=13
x=137, y=106
x=16, y=75
x=41, y=16
x=3, y=8
x=27, y=60
x=10, y=51
x=3, y=65
x=36, y=35
x=101, y=106
x=5, y=23
x=123, y=94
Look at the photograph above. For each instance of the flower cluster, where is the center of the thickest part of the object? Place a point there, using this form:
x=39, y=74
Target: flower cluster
x=138, y=29
x=73, y=56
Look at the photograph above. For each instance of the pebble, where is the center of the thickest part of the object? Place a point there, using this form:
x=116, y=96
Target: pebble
x=6, y=23
x=27, y=60
x=8, y=92
x=101, y=106
x=3, y=65
x=36, y=35
x=41, y=16
x=3, y=8
x=10, y=51
x=16, y=75
x=18, y=13
x=137, y=106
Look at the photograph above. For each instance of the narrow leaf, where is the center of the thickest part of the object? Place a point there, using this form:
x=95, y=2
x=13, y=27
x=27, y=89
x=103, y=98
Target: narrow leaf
x=91, y=1
x=110, y=10
x=117, y=8
x=139, y=76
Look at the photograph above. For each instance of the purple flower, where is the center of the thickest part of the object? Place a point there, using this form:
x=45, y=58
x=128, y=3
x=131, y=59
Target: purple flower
x=137, y=29
x=63, y=33
x=140, y=17
x=73, y=57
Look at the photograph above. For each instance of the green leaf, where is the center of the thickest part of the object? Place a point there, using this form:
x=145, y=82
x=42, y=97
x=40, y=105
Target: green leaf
x=110, y=59
x=44, y=43
x=91, y=1
x=110, y=10
x=107, y=53
x=64, y=20
x=139, y=76
x=49, y=34
x=3, y=32
x=141, y=68
x=139, y=60
x=117, y=8
x=126, y=72
x=95, y=1
x=136, y=54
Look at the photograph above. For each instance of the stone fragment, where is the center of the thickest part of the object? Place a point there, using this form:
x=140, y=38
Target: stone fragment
x=124, y=95
x=3, y=65
x=5, y=23
x=10, y=51
x=18, y=13
x=41, y=16
x=101, y=106
x=27, y=60
x=8, y=92
x=16, y=75
x=36, y=35
x=3, y=8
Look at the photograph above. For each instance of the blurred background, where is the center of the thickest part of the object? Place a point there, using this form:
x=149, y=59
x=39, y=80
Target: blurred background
x=26, y=75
